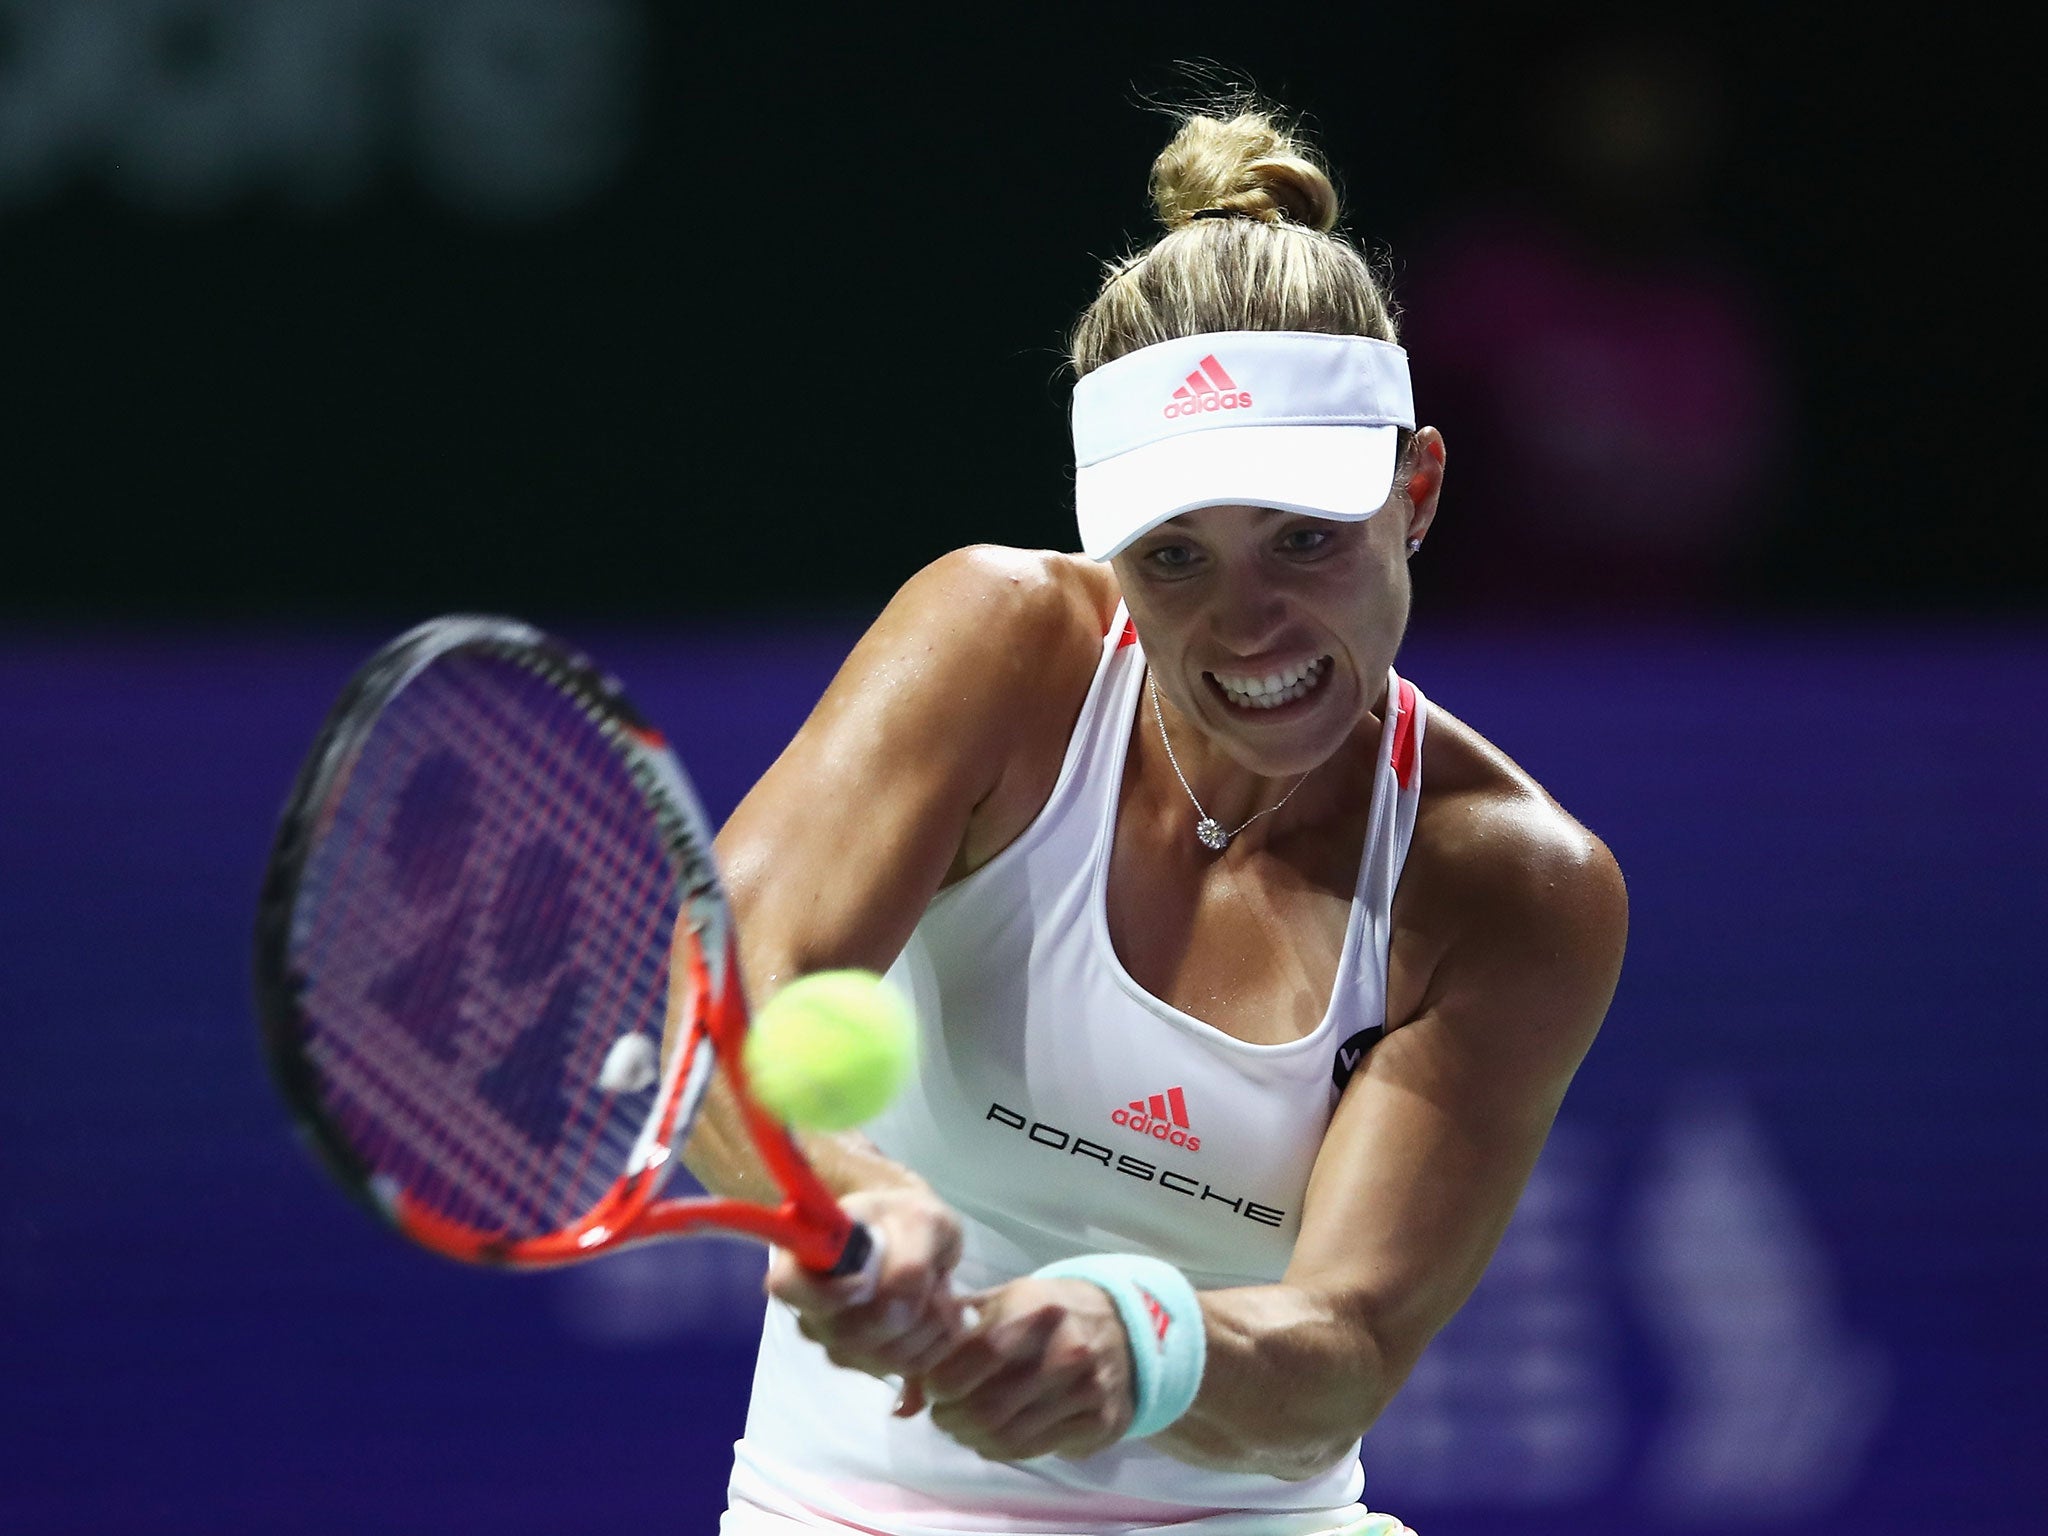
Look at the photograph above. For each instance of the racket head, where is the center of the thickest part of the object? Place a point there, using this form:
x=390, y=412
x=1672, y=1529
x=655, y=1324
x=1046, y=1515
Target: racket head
x=484, y=867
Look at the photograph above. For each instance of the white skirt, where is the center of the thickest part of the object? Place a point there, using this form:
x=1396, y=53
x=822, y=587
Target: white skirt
x=749, y=1519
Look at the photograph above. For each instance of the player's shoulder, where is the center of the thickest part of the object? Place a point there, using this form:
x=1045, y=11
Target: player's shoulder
x=1004, y=642
x=1009, y=612
x=997, y=638
x=1498, y=853
x=1017, y=591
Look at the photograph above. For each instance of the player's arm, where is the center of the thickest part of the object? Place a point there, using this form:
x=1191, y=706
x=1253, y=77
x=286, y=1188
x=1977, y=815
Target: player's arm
x=1421, y=1168
x=1426, y=1155
x=894, y=785
x=934, y=745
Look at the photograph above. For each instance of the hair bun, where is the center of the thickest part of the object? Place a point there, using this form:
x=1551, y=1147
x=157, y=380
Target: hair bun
x=1247, y=165
x=1268, y=261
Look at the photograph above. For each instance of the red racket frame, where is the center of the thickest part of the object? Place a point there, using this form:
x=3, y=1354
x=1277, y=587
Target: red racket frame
x=711, y=1009
x=809, y=1222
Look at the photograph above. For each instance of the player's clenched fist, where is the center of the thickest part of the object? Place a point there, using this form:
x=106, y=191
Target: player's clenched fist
x=1047, y=1369
x=907, y=1318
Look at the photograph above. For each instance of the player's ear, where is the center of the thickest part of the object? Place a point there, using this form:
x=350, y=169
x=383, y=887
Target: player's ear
x=1421, y=479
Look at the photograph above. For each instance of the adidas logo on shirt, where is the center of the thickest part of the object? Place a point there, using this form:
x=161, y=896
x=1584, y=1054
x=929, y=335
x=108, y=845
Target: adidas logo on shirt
x=1163, y=1117
x=1208, y=388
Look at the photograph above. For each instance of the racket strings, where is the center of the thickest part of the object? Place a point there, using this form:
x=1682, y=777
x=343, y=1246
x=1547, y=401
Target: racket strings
x=485, y=914
x=523, y=1082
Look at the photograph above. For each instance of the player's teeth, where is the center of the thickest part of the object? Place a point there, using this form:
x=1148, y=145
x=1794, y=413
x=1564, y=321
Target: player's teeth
x=1274, y=689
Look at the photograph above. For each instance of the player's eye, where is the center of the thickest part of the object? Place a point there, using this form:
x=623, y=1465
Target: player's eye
x=1170, y=558
x=1306, y=540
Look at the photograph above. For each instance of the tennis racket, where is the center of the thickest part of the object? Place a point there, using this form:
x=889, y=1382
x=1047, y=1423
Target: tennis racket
x=494, y=968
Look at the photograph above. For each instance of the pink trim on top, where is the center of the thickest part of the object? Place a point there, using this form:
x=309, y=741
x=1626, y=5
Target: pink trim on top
x=1403, y=755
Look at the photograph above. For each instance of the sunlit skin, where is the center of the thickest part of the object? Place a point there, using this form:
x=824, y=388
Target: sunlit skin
x=939, y=743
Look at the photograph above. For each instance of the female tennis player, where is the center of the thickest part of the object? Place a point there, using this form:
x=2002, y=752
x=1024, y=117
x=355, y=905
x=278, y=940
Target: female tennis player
x=1248, y=981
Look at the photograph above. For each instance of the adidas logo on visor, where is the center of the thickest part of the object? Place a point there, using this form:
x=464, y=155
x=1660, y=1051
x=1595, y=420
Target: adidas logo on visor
x=1208, y=388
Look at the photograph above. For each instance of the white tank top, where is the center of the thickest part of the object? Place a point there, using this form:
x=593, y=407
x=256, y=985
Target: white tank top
x=1062, y=1109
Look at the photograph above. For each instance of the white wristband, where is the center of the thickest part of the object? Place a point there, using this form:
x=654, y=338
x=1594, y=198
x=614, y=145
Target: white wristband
x=1162, y=1318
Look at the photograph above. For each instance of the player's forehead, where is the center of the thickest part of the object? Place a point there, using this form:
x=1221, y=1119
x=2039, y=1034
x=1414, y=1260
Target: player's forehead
x=1227, y=513
x=1231, y=519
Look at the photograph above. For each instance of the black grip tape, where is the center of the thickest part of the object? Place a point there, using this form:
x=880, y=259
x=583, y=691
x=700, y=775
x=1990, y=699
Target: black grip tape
x=853, y=1258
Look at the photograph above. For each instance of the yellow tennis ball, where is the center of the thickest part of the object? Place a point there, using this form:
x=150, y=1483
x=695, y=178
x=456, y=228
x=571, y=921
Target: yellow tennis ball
x=830, y=1050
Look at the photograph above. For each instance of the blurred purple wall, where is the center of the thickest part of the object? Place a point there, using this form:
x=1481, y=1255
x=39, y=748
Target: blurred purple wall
x=1780, y=1269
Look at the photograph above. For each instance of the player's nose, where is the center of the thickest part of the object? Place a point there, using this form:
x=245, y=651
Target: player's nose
x=1248, y=616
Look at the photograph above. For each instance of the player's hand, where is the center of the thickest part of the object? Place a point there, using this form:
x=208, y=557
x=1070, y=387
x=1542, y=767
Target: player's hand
x=1046, y=1370
x=909, y=1318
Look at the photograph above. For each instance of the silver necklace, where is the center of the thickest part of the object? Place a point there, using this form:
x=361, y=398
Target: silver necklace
x=1208, y=831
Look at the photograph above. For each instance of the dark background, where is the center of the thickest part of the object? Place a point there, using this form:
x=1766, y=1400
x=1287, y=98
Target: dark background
x=691, y=335
x=792, y=322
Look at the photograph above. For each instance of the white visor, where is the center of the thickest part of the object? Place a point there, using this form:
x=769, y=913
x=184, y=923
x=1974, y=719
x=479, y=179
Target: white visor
x=1289, y=419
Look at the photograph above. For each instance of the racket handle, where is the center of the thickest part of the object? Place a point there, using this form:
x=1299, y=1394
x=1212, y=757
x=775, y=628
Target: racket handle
x=860, y=1260
x=853, y=1258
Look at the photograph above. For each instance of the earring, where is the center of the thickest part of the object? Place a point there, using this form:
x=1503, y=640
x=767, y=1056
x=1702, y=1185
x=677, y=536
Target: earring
x=1414, y=548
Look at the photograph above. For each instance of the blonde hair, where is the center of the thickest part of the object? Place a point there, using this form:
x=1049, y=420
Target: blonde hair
x=1249, y=212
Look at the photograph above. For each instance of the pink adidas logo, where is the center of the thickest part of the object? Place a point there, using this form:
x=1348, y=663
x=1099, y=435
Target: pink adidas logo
x=1161, y=1318
x=1208, y=388
x=1163, y=1117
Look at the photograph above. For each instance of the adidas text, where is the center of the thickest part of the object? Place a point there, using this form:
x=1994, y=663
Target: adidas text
x=1212, y=401
x=1158, y=1130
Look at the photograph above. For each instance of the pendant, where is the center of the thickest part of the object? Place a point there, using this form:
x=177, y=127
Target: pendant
x=1211, y=834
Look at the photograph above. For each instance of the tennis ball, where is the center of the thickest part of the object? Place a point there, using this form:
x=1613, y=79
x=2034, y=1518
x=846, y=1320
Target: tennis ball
x=830, y=1050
